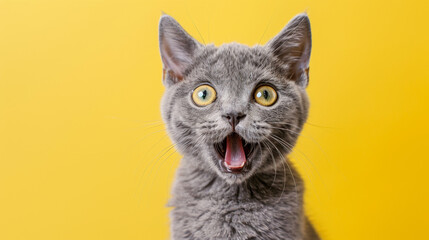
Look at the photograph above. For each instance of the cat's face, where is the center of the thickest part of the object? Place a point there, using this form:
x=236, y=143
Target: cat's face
x=232, y=109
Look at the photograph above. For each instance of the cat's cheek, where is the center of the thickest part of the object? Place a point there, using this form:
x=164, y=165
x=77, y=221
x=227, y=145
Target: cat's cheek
x=211, y=160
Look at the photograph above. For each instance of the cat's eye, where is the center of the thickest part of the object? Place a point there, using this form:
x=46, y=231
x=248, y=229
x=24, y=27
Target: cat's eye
x=203, y=95
x=265, y=95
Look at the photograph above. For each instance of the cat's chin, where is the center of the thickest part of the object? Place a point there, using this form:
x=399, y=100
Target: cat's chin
x=237, y=177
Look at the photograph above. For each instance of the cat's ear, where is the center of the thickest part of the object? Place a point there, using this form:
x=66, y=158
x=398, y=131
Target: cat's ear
x=292, y=46
x=177, y=49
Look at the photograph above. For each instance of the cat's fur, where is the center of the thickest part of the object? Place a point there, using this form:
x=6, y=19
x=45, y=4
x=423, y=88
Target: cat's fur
x=267, y=201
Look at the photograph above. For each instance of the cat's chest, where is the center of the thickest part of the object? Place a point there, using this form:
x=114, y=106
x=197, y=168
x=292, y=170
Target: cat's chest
x=233, y=219
x=206, y=207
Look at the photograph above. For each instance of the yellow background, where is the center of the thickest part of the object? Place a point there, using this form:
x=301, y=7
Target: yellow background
x=81, y=145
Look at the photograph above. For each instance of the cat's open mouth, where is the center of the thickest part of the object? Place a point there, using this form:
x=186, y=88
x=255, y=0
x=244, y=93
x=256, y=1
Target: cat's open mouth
x=234, y=152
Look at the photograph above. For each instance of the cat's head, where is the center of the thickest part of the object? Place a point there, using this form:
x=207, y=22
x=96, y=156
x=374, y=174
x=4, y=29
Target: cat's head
x=233, y=109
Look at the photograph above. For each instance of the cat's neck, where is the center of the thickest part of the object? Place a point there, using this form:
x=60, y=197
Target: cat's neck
x=195, y=182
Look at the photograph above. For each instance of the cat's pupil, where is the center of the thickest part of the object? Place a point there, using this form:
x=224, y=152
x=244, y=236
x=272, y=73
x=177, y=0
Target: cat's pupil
x=266, y=94
x=203, y=94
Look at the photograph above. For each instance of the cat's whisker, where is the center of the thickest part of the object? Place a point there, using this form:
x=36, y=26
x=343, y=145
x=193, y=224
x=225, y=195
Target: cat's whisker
x=320, y=126
x=156, y=158
x=139, y=169
x=133, y=120
x=266, y=28
x=151, y=164
x=150, y=134
x=300, y=134
x=156, y=176
x=309, y=172
x=325, y=155
x=148, y=125
x=274, y=161
x=151, y=124
x=156, y=165
x=290, y=170
x=146, y=128
x=285, y=123
x=289, y=149
x=152, y=121
x=291, y=131
x=284, y=182
x=162, y=162
x=193, y=23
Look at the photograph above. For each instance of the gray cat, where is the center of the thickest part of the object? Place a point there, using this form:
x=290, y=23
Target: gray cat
x=234, y=112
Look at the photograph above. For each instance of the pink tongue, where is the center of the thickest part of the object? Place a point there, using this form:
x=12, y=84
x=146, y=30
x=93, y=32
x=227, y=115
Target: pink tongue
x=235, y=158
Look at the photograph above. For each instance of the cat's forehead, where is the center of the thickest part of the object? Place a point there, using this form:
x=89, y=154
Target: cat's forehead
x=235, y=62
x=237, y=53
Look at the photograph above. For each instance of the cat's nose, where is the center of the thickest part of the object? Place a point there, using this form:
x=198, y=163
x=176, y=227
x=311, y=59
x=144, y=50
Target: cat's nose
x=234, y=118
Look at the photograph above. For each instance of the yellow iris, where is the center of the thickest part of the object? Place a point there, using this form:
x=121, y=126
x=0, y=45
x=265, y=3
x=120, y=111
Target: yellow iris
x=265, y=95
x=203, y=95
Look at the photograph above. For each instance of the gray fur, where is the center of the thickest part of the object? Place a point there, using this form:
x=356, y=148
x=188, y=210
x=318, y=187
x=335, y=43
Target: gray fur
x=265, y=202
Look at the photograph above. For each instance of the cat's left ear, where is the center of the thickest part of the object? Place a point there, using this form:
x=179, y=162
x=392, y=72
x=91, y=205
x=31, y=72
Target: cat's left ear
x=292, y=46
x=177, y=49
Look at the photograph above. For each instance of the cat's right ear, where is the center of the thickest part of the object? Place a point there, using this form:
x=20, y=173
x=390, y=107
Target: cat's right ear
x=177, y=49
x=292, y=47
